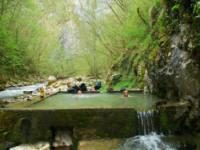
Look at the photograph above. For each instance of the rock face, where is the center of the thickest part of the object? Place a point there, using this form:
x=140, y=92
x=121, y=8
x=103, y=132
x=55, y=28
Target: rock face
x=175, y=74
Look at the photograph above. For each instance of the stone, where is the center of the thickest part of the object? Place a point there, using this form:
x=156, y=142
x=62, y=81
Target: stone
x=51, y=79
x=100, y=144
x=38, y=146
x=175, y=76
x=62, y=139
x=159, y=104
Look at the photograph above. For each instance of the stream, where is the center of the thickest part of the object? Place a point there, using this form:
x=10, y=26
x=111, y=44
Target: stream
x=17, y=91
x=151, y=138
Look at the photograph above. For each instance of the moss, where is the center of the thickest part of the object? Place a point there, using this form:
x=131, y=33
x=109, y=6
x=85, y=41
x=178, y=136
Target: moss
x=176, y=7
x=124, y=84
x=164, y=120
x=104, y=88
x=198, y=141
x=168, y=122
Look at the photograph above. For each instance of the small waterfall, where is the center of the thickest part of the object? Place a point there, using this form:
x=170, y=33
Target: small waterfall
x=146, y=122
x=149, y=137
x=151, y=141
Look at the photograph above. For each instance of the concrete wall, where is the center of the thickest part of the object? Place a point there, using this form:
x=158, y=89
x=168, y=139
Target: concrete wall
x=32, y=125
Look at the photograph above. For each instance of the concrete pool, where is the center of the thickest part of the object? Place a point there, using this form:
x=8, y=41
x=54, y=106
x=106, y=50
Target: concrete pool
x=138, y=101
x=87, y=116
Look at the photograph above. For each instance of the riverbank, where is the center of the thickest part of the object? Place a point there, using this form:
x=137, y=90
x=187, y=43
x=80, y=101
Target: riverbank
x=20, y=81
x=18, y=93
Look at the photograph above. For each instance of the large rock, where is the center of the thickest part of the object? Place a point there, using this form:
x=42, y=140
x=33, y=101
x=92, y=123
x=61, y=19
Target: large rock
x=51, y=79
x=62, y=139
x=175, y=74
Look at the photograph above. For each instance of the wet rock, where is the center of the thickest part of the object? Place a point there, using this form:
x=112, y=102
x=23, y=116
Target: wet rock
x=178, y=77
x=7, y=145
x=62, y=139
x=27, y=92
x=38, y=146
x=2, y=87
x=175, y=73
x=160, y=104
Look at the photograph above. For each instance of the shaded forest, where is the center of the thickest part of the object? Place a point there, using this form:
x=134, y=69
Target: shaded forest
x=65, y=38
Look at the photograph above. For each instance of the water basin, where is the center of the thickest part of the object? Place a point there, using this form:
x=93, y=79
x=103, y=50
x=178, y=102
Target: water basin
x=137, y=101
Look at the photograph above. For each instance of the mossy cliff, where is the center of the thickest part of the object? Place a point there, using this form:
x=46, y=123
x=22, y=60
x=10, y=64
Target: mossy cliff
x=168, y=62
x=174, y=73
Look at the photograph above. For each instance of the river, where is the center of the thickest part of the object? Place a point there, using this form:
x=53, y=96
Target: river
x=17, y=91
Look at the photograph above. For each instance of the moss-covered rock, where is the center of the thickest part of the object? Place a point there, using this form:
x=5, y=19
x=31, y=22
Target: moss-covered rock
x=174, y=72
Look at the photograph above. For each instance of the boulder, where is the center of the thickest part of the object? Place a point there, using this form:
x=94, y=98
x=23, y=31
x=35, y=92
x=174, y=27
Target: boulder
x=51, y=79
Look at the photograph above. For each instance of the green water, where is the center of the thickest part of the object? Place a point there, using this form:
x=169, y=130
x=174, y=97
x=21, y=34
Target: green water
x=72, y=101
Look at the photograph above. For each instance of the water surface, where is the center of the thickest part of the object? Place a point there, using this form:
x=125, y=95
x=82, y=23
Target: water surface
x=17, y=91
x=73, y=101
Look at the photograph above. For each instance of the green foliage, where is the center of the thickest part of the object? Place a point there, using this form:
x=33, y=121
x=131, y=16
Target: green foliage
x=29, y=38
x=32, y=40
x=136, y=38
x=127, y=82
x=196, y=9
x=176, y=7
x=104, y=88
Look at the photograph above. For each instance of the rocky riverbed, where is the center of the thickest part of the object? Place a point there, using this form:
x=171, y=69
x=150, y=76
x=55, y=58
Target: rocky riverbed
x=21, y=93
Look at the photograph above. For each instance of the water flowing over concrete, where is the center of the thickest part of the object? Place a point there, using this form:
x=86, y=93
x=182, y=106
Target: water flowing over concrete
x=146, y=122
